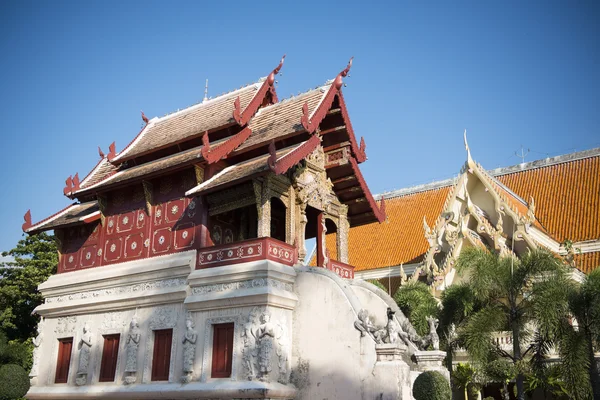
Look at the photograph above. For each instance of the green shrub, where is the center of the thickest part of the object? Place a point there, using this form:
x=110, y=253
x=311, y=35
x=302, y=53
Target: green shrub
x=431, y=385
x=14, y=382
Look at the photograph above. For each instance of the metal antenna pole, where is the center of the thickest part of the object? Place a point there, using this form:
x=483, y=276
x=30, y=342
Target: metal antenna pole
x=522, y=155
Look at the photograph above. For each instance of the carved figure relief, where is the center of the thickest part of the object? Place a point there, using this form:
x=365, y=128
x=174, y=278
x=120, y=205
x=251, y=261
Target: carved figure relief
x=261, y=337
x=85, y=349
x=37, y=342
x=265, y=337
x=250, y=350
x=189, y=349
x=132, y=343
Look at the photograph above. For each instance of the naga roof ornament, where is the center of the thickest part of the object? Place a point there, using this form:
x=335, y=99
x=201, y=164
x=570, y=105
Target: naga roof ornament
x=310, y=123
x=27, y=218
x=112, y=152
x=144, y=118
x=243, y=116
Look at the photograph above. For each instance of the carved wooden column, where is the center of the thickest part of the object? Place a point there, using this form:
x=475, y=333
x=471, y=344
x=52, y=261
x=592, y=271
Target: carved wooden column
x=321, y=243
x=290, y=217
x=263, y=208
x=301, y=232
x=342, y=238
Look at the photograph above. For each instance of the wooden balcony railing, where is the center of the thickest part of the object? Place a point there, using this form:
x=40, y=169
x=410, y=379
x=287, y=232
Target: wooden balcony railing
x=265, y=248
x=344, y=270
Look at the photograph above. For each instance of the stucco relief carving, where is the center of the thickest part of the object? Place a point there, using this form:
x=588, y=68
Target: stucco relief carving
x=112, y=322
x=132, y=343
x=432, y=337
x=264, y=341
x=65, y=326
x=189, y=349
x=138, y=287
x=390, y=333
x=85, y=350
x=163, y=317
x=260, y=282
x=37, y=342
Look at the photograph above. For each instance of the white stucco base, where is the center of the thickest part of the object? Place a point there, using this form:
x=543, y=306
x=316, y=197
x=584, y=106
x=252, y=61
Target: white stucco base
x=317, y=351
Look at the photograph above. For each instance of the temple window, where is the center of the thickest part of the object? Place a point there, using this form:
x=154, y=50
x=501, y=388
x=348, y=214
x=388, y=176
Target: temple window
x=233, y=226
x=161, y=359
x=63, y=361
x=110, y=352
x=278, y=216
x=222, y=350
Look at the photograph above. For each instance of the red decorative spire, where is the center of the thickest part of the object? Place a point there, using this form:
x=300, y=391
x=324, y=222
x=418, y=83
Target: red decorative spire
x=69, y=186
x=242, y=117
x=205, y=146
x=111, y=151
x=363, y=145
x=338, y=82
x=144, y=118
x=76, y=182
x=310, y=123
x=293, y=157
x=272, y=160
x=100, y=152
x=212, y=155
x=27, y=218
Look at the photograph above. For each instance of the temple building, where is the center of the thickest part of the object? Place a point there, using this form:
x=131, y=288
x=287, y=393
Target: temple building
x=180, y=269
x=552, y=203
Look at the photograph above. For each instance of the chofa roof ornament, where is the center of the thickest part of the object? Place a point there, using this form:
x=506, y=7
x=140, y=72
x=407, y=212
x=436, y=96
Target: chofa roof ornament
x=242, y=117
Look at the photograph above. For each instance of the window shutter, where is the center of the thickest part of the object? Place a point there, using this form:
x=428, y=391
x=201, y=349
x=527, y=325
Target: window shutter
x=110, y=353
x=222, y=350
x=161, y=359
x=64, y=360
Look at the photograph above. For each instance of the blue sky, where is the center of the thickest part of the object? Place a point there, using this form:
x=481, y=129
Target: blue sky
x=75, y=75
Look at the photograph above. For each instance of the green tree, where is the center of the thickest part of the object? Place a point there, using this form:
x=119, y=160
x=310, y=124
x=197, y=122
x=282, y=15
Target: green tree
x=417, y=302
x=576, y=342
x=458, y=303
x=35, y=260
x=513, y=292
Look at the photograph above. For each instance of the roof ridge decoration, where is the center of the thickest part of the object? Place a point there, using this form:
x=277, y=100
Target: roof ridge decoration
x=243, y=117
x=144, y=118
x=311, y=122
x=28, y=226
x=212, y=155
x=281, y=165
x=27, y=218
x=72, y=185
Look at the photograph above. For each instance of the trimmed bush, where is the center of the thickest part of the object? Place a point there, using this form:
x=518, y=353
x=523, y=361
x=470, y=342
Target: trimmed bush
x=14, y=382
x=431, y=385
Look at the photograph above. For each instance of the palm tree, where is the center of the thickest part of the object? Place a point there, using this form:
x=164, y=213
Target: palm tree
x=417, y=302
x=576, y=341
x=458, y=303
x=513, y=292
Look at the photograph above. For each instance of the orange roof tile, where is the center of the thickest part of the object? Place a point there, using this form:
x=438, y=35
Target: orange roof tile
x=587, y=262
x=566, y=195
x=400, y=239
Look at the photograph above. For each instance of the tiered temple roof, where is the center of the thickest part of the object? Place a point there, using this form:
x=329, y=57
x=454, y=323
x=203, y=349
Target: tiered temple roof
x=239, y=134
x=566, y=191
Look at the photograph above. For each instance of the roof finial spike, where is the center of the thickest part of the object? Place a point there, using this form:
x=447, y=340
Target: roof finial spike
x=205, y=91
x=144, y=118
x=467, y=146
